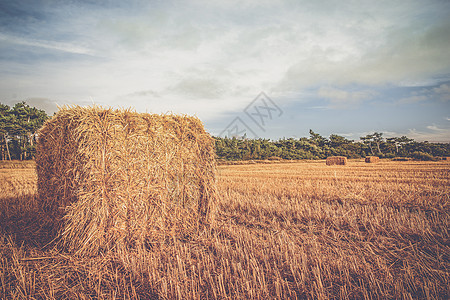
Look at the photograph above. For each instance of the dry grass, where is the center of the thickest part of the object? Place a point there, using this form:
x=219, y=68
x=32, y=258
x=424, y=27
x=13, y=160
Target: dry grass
x=17, y=164
x=300, y=230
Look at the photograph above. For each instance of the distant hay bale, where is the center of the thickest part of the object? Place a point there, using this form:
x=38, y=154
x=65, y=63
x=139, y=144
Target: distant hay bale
x=336, y=160
x=372, y=159
x=117, y=178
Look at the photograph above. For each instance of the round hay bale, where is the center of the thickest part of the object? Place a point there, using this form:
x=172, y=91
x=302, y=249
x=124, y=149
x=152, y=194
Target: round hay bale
x=372, y=159
x=336, y=160
x=117, y=178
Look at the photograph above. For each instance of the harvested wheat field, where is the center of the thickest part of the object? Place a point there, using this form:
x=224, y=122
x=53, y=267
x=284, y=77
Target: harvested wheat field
x=282, y=231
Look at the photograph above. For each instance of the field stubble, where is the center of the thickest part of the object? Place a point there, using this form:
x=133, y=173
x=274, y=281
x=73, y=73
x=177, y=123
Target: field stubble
x=299, y=230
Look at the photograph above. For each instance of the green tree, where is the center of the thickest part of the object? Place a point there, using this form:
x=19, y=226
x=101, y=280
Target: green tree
x=5, y=125
x=18, y=127
x=378, y=139
x=367, y=140
x=317, y=138
x=337, y=141
x=318, y=147
x=374, y=139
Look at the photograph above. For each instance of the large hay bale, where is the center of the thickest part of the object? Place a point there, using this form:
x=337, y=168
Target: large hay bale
x=116, y=178
x=336, y=160
x=372, y=159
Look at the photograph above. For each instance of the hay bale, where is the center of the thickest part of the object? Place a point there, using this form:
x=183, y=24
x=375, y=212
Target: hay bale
x=372, y=159
x=116, y=178
x=336, y=160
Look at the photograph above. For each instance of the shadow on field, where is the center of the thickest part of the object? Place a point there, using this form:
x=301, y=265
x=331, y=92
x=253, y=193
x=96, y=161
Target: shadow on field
x=23, y=221
x=32, y=266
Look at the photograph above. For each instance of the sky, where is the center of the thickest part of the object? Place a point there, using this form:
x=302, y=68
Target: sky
x=269, y=69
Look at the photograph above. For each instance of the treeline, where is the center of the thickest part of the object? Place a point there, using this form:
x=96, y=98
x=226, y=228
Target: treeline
x=319, y=147
x=18, y=127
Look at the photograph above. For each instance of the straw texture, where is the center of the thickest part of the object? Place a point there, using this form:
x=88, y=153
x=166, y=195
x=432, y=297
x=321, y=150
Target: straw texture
x=120, y=179
x=336, y=160
x=372, y=159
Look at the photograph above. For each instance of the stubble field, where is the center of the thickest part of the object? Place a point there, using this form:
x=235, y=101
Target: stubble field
x=283, y=231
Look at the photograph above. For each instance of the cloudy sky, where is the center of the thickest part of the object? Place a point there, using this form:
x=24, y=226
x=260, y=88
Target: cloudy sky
x=344, y=67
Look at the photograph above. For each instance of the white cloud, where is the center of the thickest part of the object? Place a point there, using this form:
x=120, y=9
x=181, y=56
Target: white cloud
x=47, y=44
x=443, y=89
x=442, y=92
x=386, y=53
x=412, y=99
x=213, y=57
x=342, y=98
x=435, y=128
x=433, y=134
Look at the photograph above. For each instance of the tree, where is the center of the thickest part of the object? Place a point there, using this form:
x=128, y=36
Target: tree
x=367, y=140
x=399, y=143
x=18, y=127
x=27, y=121
x=317, y=138
x=318, y=147
x=5, y=124
x=394, y=141
x=376, y=137
x=337, y=141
